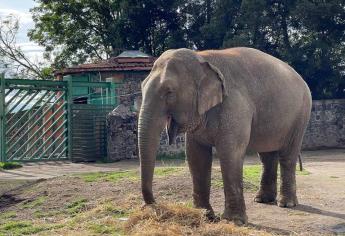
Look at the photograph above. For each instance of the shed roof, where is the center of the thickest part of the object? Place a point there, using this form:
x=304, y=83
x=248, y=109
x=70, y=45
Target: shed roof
x=126, y=61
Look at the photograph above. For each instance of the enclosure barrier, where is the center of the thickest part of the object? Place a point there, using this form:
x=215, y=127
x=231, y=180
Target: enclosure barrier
x=39, y=120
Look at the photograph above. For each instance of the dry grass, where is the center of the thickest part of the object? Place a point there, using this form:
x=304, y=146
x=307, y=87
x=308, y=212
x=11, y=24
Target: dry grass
x=109, y=204
x=177, y=219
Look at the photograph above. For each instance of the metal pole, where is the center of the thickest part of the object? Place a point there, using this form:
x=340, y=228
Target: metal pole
x=113, y=94
x=69, y=117
x=2, y=119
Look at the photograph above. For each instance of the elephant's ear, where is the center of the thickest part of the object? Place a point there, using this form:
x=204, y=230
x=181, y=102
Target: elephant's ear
x=211, y=88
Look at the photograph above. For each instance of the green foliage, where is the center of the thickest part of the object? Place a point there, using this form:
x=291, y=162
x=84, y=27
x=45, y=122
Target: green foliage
x=9, y=165
x=308, y=34
x=91, y=29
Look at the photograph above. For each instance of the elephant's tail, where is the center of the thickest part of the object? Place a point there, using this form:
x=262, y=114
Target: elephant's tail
x=300, y=162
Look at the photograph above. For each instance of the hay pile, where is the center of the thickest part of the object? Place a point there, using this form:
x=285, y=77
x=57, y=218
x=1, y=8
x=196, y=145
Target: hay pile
x=175, y=219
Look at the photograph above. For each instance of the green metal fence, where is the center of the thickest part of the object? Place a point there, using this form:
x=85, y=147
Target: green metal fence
x=89, y=135
x=36, y=119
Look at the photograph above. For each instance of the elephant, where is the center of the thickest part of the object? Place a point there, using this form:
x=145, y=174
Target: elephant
x=234, y=100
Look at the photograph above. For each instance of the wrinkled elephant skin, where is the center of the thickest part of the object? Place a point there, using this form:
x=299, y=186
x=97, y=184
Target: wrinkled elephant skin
x=234, y=100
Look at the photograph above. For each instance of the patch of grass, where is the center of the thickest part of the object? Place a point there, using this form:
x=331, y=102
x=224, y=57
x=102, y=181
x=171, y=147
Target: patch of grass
x=45, y=214
x=24, y=228
x=177, y=156
x=109, y=208
x=131, y=175
x=109, y=176
x=252, y=177
x=10, y=165
x=303, y=172
x=77, y=206
x=103, y=229
x=165, y=171
x=35, y=203
x=104, y=219
x=8, y=215
x=334, y=177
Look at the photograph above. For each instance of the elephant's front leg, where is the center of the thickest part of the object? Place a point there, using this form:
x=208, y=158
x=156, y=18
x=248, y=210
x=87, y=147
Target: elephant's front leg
x=231, y=162
x=200, y=162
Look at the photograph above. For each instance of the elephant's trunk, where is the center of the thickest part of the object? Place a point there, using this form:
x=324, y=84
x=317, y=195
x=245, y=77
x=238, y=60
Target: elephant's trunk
x=149, y=128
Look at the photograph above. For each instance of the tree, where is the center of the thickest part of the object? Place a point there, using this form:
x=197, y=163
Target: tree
x=12, y=56
x=90, y=29
x=307, y=34
x=81, y=30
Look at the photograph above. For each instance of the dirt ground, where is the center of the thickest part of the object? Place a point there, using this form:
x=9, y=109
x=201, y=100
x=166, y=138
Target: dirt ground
x=321, y=193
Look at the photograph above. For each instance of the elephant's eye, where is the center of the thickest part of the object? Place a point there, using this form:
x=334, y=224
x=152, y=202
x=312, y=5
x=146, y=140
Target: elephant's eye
x=170, y=97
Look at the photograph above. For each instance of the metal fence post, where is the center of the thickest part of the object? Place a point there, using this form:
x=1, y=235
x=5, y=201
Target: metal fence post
x=2, y=119
x=112, y=94
x=69, y=116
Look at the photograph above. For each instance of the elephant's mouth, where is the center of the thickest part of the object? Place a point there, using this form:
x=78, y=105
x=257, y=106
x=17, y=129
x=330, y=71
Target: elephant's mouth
x=172, y=129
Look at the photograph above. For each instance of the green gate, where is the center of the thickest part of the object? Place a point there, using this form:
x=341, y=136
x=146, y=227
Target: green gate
x=36, y=119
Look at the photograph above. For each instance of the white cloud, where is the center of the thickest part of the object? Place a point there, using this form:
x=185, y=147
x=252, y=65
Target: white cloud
x=31, y=49
x=24, y=17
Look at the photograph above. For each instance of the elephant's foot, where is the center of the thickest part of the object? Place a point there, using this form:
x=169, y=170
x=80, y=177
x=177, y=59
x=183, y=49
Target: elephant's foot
x=265, y=197
x=239, y=219
x=211, y=216
x=288, y=202
x=209, y=211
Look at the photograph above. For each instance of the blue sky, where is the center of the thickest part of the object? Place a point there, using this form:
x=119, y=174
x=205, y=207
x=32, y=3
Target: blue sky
x=21, y=8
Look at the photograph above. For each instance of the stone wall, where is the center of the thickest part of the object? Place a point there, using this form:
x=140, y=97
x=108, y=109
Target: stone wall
x=325, y=129
x=326, y=126
x=129, y=88
x=165, y=148
x=121, y=134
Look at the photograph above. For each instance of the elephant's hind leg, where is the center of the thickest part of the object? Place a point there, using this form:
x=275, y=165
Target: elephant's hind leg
x=288, y=197
x=288, y=160
x=268, y=185
x=199, y=159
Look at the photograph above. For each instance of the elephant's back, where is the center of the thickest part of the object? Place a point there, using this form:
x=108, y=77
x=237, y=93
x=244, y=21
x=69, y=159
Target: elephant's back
x=260, y=75
x=278, y=94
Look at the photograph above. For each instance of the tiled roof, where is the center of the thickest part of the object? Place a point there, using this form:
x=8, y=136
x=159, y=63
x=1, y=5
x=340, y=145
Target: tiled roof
x=122, y=63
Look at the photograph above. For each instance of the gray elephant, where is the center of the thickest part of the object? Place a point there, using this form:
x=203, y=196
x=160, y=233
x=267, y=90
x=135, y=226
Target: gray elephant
x=235, y=100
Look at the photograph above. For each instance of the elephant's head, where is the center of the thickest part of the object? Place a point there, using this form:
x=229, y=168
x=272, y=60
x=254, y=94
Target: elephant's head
x=181, y=87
